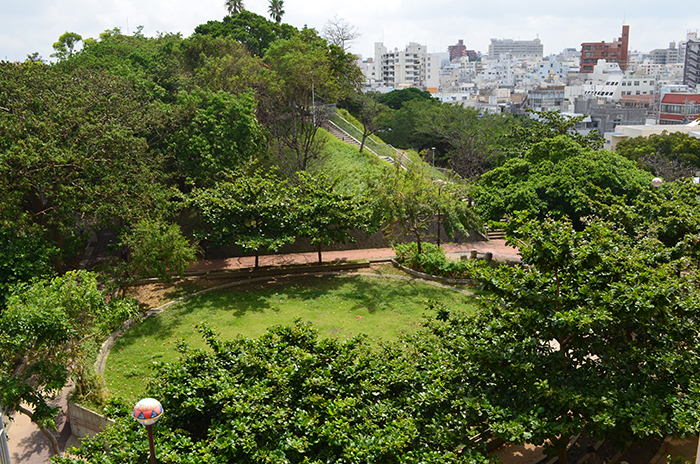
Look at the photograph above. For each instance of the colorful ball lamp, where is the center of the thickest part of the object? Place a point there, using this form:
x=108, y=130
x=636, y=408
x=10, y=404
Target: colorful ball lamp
x=147, y=412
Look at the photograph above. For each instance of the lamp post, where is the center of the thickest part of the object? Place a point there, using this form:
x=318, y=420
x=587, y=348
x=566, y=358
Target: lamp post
x=433, y=148
x=147, y=411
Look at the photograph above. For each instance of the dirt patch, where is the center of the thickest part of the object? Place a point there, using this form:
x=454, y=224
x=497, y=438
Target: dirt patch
x=153, y=295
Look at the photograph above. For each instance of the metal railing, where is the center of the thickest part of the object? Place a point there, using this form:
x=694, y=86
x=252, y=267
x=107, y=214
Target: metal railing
x=386, y=150
x=4, y=450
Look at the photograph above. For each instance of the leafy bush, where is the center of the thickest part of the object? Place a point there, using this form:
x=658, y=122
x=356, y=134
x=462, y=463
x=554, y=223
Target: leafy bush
x=434, y=262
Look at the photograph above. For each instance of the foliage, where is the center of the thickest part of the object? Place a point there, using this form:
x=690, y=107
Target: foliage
x=234, y=6
x=310, y=73
x=219, y=133
x=327, y=216
x=397, y=98
x=252, y=211
x=23, y=257
x=276, y=10
x=667, y=214
x=556, y=177
x=41, y=332
x=470, y=138
x=291, y=397
x=74, y=151
x=152, y=64
x=671, y=156
x=432, y=260
x=595, y=332
x=65, y=45
x=156, y=249
x=551, y=124
x=250, y=29
x=407, y=200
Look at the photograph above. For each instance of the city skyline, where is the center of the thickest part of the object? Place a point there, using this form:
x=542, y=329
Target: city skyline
x=33, y=27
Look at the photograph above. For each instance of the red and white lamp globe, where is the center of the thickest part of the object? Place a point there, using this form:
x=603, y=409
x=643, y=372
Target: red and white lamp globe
x=147, y=411
x=656, y=182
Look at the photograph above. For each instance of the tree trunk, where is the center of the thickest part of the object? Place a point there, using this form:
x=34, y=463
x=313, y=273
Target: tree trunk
x=319, y=253
x=47, y=433
x=362, y=145
x=562, y=455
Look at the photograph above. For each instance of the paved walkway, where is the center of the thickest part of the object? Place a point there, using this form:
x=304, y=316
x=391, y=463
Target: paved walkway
x=498, y=248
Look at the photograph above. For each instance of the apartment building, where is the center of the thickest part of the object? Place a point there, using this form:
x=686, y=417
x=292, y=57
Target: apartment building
x=397, y=69
x=616, y=51
x=664, y=56
x=519, y=49
x=691, y=70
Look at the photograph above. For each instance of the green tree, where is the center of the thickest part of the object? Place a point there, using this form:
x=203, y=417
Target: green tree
x=670, y=156
x=42, y=333
x=23, y=257
x=327, y=216
x=250, y=29
x=219, y=133
x=592, y=333
x=397, y=98
x=310, y=74
x=291, y=396
x=75, y=151
x=551, y=124
x=156, y=249
x=252, y=211
x=409, y=203
x=556, y=177
x=65, y=45
x=276, y=10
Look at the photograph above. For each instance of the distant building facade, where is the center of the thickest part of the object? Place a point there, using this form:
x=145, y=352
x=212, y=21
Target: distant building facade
x=520, y=49
x=397, y=69
x=679, y=108
x=665, y=56
x=457, y=51
x=616, y=52
x=691, y=70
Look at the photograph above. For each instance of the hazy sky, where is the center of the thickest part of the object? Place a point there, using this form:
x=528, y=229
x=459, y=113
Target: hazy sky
x=34, y=25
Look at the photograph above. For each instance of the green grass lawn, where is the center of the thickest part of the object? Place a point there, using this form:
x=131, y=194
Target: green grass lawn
x=339, y=306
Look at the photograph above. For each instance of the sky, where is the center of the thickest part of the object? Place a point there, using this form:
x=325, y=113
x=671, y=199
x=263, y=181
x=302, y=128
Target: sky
x=34, y=25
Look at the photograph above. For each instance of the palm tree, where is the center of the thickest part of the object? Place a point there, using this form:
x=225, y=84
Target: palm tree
x=275, y=10
x=234, y=6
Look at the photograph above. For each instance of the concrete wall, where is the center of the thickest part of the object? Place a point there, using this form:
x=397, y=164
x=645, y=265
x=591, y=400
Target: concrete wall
x=84, y=422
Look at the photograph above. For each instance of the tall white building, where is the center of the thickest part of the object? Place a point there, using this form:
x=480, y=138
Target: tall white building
x=411, y=67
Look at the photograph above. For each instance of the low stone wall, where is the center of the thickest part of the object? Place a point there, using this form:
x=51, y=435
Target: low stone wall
x=85, y=423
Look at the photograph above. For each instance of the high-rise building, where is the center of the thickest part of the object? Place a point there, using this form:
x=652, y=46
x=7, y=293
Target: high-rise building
x=521, y=49
x=616, y=51
x=411, y=67
x=691, y=70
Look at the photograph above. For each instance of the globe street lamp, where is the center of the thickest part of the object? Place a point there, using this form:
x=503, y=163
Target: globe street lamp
x=147, y=411
x=656, y=182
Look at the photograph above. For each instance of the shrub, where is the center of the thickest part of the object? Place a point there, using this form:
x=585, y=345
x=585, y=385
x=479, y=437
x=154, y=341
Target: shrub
x=434, y=262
